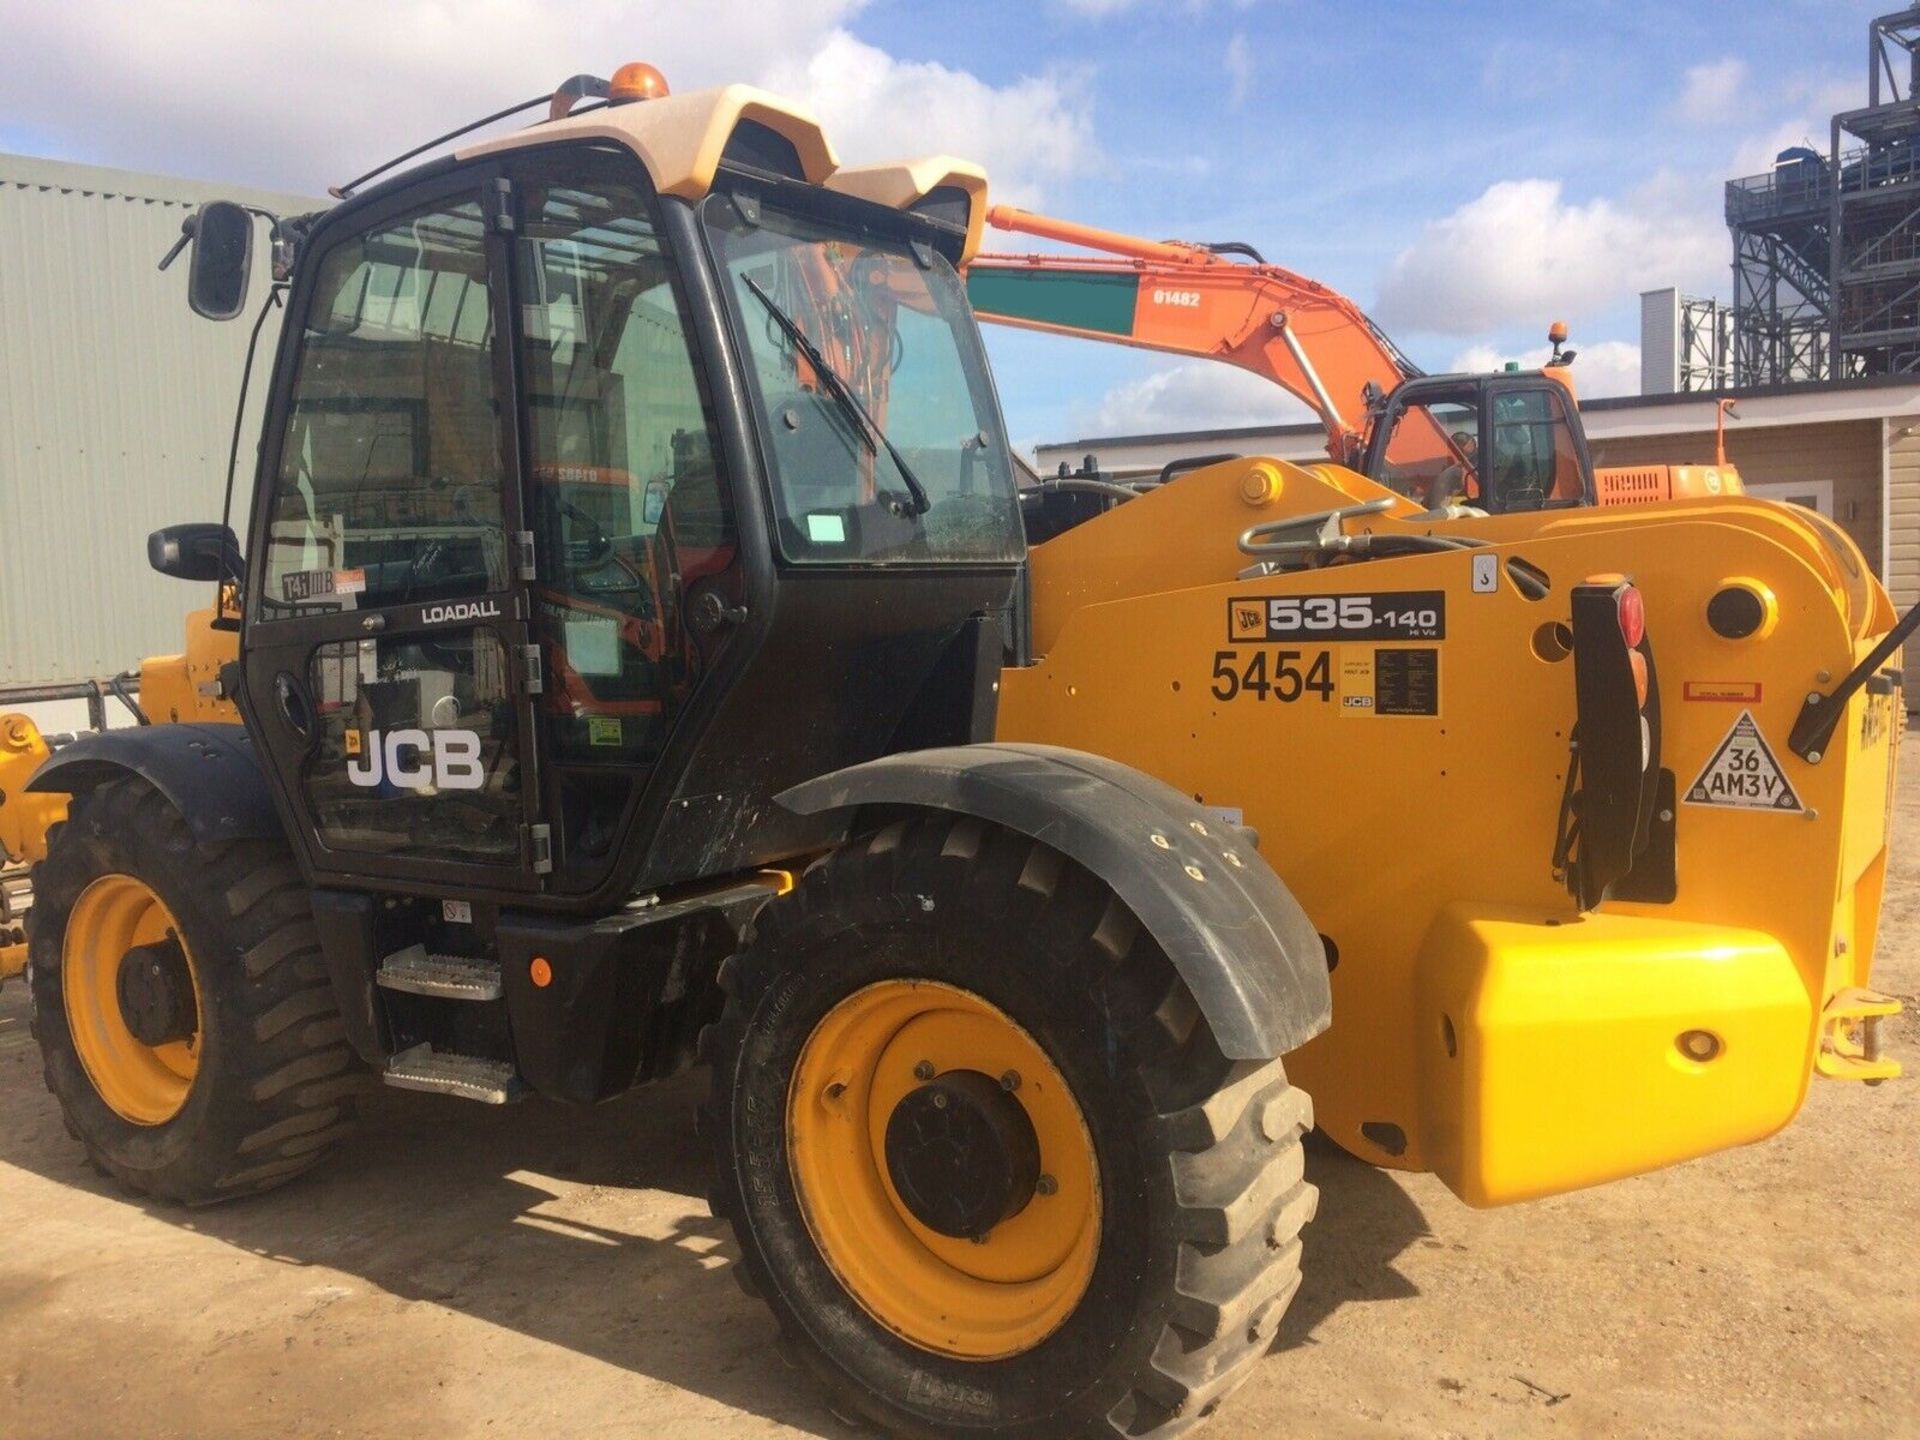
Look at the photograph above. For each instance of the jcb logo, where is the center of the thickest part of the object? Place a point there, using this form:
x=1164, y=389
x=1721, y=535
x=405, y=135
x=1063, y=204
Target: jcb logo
x=413, y=759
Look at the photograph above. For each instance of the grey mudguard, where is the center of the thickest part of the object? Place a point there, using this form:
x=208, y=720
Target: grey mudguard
x=1239, y=939
x=208, y=772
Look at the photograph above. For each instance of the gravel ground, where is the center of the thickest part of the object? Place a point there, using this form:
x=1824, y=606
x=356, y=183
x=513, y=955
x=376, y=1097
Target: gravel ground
x=462, y=1271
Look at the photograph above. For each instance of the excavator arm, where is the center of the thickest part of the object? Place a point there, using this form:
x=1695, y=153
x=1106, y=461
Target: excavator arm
x=1215, y=302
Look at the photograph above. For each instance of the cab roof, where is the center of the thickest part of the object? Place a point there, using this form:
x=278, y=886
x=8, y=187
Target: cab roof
x=681, y=140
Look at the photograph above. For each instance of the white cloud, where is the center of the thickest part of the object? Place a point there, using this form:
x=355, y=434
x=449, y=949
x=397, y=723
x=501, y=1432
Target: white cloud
x=1240, y=70
x=1028, y=133
x=1809, y=108
x=1521, y=253
x=1192, y=395
x=1605, y=367
x=1713, y=92
x=300, y=96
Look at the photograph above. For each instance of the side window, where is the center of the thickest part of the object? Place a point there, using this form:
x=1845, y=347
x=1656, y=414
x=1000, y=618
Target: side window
x=389, y=482
x=1533, y=455
x=630, y=514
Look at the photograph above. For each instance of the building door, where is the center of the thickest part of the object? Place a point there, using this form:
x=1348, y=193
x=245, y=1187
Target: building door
x=1814, y=494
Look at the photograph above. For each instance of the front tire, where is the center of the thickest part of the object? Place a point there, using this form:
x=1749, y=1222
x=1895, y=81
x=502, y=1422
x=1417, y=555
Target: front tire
x=1125, y=1298
x=229, y=1072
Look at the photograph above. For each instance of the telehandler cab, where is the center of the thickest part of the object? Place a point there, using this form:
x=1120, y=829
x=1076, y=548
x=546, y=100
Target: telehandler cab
x=620, y=626
x=620, y=635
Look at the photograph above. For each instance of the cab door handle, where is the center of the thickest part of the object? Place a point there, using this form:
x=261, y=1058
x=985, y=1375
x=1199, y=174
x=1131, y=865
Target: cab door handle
x=290, y=698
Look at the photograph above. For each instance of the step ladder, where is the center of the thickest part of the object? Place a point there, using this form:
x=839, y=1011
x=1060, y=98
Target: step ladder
x=464, y=978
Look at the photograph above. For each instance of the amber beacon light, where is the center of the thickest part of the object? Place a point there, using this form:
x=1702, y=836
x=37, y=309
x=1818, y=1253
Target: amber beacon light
x=636, y=81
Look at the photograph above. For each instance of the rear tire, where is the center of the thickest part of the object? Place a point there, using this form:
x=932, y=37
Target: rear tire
x=268, y=1074
x=1198, y=1158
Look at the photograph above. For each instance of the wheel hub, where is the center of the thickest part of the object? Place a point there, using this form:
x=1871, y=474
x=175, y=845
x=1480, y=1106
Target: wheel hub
x=962, y=1154
x=155, y=991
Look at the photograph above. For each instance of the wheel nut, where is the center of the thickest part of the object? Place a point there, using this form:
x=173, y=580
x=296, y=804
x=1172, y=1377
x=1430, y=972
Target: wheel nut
x=1046, y=1185
x=1010, y=1081
x=939, y=1101
x=924, y=1070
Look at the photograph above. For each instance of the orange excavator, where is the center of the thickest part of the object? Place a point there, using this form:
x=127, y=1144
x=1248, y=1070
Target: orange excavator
x=1510, y=440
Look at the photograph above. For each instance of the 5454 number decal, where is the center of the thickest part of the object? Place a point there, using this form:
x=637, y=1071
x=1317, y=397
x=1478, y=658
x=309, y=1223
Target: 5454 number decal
x=1275, y=675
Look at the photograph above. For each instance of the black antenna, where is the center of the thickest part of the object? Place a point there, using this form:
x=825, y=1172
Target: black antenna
x=341, y=192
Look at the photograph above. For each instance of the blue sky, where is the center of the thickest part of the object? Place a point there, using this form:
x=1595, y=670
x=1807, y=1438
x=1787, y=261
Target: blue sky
x=1467, y=171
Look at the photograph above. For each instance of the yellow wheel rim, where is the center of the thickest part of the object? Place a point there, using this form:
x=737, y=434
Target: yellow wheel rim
x=954, y=1297
x=145, y=1084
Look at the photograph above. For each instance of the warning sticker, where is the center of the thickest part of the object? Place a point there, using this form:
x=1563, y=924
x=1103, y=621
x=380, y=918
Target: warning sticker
x=1743, y=775
x=1739, y=692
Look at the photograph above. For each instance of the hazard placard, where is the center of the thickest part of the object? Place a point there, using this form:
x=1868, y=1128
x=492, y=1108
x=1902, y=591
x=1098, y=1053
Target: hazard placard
x=1743, y=774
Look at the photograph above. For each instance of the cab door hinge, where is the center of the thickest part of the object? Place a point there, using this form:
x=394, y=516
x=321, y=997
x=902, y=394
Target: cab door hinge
x=534, y=669
x=500, y=206
x=529, y=570
x=540, y=848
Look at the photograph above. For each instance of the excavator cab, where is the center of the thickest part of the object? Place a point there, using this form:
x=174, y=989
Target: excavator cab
x=1497, y=443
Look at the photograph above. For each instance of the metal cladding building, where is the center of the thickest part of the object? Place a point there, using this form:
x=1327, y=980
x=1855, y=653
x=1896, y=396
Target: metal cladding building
x=116, y=411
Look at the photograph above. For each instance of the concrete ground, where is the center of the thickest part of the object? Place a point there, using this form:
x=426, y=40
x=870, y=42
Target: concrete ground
x=458, y=1271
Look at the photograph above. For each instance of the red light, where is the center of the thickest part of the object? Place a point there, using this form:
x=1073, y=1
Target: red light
x=1633, y=616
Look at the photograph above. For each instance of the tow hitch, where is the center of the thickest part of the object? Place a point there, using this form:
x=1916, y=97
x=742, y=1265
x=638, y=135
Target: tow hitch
x=1850, y=1036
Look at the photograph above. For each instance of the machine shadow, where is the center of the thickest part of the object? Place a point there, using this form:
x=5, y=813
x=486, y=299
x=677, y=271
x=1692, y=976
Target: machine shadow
x=1364, y=1223
x=527, y=1218
x=530, y=1218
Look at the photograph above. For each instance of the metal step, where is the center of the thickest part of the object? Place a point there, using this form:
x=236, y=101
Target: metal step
x=471, y=1077
x=451, y=977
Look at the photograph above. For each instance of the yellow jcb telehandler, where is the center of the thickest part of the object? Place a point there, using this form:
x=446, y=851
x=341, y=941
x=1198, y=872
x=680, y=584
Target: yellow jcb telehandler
x=637, y=660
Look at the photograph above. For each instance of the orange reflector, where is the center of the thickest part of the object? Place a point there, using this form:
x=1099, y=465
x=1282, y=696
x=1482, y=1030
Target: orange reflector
x=637, y=81
x=1638, y=661
x=540, y=972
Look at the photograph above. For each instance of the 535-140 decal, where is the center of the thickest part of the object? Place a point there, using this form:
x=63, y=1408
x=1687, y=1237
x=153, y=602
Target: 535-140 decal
x=1384, y=615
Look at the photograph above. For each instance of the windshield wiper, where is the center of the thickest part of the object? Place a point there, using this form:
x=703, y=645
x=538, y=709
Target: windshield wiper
x=849, y=403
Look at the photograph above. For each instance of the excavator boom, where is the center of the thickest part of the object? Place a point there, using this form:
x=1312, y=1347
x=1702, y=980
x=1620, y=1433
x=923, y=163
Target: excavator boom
x=1219, y=302
x=1425, y=437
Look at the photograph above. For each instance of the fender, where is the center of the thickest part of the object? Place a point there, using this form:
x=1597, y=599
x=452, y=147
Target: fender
x=208, y=772
x=1236, y=935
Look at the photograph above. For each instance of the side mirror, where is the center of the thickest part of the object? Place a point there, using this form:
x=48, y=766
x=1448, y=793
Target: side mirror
x=222, y=260
x=200, y=551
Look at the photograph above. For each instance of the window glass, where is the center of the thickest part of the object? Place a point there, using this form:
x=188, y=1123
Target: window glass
x=630, y=514
x=389, y=481
x=415, y=754
x=1432, y=453
x=1533, y=455
x=911, y=467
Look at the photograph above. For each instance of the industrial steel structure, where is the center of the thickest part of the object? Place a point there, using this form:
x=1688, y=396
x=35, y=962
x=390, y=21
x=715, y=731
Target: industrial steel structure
x=1826, y=249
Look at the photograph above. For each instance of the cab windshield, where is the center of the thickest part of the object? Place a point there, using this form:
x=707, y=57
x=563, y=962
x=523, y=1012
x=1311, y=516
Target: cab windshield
x=883, y=432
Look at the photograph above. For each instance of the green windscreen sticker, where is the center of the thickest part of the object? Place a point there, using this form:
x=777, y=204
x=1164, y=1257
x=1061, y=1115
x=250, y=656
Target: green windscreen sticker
x=1082, y=302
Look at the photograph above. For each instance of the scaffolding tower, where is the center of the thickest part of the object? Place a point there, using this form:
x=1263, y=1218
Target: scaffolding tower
x=1826, y=248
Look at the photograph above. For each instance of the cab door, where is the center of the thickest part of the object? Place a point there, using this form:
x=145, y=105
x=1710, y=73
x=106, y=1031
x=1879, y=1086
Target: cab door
x=389, y=677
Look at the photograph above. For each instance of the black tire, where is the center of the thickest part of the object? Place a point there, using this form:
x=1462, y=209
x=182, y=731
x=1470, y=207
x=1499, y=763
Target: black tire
x=1200, y=1157
x=273, y=1089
